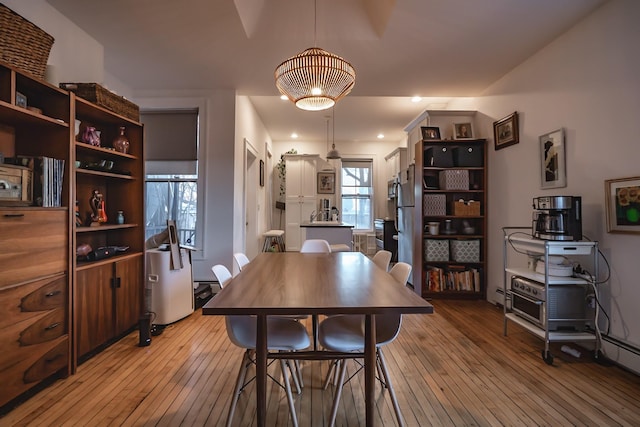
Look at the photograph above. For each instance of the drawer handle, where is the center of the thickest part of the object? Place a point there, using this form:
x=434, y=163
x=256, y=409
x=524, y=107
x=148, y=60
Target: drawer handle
x=52, y=326
x=52, y=294
x=13, y=215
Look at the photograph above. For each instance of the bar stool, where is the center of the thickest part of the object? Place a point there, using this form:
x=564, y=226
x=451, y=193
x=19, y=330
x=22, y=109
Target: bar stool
x=273, y=238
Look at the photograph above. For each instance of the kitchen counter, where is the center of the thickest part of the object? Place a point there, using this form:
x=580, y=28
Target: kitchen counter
x=326, y=224
x=334, y=232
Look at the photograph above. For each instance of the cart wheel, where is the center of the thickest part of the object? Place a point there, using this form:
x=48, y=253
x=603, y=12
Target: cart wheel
x=547, y=357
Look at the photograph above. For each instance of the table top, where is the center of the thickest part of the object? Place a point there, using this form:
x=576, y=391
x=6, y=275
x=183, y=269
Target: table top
x=296, y=283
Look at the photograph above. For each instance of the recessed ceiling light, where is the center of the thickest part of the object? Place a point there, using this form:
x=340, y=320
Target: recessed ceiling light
x=416, y=99
x=294, y=135
x=381, y=136
x=283, y=97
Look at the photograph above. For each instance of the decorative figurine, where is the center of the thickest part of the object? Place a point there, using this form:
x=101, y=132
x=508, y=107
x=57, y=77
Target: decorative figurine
x=98, y=211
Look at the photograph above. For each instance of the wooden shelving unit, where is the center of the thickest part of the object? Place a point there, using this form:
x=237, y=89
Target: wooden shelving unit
x=452, y=263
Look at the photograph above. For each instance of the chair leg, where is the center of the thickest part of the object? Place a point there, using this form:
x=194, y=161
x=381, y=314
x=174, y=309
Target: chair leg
x=333, y=366
x=392, y=393
x=294, y=375
x=383, y=381
x=338, y=393
x=242, y=373
x=287, y=387
x=299, y=373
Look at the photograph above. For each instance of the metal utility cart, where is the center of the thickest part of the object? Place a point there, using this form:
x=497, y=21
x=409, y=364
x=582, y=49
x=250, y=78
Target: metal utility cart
x=556, y=297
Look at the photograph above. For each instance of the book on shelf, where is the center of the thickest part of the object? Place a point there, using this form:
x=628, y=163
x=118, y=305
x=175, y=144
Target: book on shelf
x=48, y=178
x=442, y=280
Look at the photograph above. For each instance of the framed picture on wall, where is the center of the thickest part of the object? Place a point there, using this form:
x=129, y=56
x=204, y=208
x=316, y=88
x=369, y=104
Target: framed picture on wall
x=506, y=132
x=326, y=182
x=623, y=205
x=552, y=160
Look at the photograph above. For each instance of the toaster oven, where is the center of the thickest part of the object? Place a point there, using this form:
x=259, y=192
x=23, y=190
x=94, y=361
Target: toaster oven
x=16, y=185
x=556, y=307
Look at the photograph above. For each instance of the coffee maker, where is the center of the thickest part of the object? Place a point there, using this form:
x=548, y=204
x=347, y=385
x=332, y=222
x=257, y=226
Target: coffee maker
x=557, y=218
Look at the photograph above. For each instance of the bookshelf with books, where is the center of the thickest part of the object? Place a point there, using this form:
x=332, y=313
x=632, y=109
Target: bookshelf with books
x=450, y=240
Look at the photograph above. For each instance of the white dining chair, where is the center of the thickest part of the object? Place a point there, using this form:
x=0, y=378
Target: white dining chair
x=382, y=259
x=345, y=333
x=241, y=260
x=318, y=246
x=282, y=335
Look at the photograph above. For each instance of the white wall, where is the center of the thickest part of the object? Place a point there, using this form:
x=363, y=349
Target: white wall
x=587, y=82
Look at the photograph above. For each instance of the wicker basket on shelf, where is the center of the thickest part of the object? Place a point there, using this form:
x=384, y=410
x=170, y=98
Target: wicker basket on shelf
x=103, y=97
x=23, y=44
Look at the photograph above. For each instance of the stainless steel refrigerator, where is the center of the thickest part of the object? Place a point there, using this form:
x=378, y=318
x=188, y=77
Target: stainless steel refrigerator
x=404, y=207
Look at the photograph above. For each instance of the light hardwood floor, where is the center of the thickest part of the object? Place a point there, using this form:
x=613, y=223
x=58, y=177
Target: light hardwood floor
x=452, y=368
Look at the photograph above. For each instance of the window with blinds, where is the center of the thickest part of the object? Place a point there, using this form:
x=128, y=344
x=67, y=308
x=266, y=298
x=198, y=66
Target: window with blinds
x=357, y=193
x=171, y=163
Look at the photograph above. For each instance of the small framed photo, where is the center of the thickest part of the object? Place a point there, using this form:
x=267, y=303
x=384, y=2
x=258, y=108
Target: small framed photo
x=462, y=130
x=552, y=160
x=506, y=132
x=261, y=173
x=430, y=132
x=21, y=100
x=326, y=182
x=623, y=205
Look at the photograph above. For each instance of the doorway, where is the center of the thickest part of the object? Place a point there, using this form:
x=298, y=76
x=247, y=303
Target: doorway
x=251, y=238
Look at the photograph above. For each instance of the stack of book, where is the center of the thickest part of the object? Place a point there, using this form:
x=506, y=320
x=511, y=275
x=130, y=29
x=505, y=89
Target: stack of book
x=440, y=280
x=48, y=177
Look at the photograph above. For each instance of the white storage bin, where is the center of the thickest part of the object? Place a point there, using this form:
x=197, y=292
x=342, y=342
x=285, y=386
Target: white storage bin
x=465, y=250
x=436, y=250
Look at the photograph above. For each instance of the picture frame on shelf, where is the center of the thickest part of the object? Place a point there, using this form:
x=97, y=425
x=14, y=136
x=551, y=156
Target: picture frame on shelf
x=506, y=131
x=463, y=130
x=326, y=182
x=552, y=160
x=622, y=197
x=430, y=133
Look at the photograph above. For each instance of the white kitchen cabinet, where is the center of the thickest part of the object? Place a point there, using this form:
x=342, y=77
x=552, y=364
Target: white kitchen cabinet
x=396, y=161
x=301, y=199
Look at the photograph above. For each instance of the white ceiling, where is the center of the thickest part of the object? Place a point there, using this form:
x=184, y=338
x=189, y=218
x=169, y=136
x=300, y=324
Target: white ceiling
x=438, y=49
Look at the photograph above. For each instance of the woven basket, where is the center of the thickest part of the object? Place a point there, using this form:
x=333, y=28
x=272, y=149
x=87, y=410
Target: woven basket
x=23, y=44
x=466, y=208
x=95, y=93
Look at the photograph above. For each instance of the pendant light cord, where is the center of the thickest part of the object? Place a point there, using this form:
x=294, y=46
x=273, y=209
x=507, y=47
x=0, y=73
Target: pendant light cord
x=315, y=23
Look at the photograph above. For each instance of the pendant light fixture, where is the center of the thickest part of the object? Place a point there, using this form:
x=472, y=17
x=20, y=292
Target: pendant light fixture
x=333, y=153
x=315, y=79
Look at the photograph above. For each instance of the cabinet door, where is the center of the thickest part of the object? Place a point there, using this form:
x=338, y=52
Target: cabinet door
x=301, y=177
x=308, y=179
x=294, y=169
x=94, y=307
x=293, y=214
x=298, y=211
x=129, y=291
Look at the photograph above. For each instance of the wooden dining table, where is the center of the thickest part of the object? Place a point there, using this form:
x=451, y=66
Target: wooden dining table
x=292, y=283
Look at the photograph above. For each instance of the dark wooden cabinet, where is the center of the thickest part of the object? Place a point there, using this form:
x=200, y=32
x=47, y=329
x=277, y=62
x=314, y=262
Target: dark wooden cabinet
x=385, y=230
x=109, y=292
x=108, y=302
x=35, y=290
x=451, y=196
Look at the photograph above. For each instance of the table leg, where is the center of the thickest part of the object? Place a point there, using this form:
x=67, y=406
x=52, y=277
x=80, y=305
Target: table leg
x=369, y=367
x=261, y=369
x=314, y=324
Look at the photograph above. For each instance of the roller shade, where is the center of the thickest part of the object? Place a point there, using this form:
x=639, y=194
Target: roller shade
x=170, y=135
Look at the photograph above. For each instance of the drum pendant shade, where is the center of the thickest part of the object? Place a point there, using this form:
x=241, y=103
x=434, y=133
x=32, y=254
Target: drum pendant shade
x=315, y=79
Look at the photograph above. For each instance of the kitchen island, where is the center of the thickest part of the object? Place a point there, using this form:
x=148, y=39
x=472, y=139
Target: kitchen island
x=334, y=232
